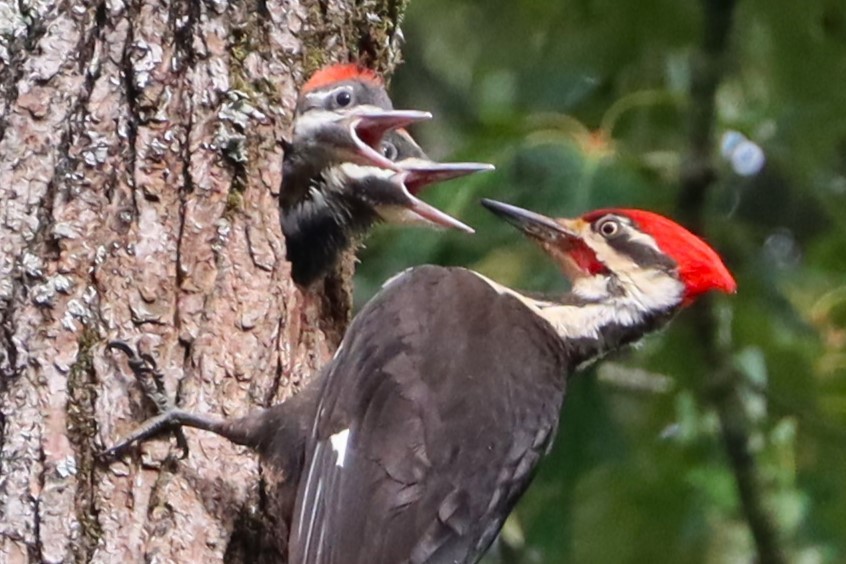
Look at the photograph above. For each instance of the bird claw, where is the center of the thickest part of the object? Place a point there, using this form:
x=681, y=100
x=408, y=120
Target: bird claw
x=147, y=430
x=146, y=371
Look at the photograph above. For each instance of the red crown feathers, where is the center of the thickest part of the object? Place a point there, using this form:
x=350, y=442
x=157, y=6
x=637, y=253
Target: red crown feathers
x=340, y=72
x=700, y=267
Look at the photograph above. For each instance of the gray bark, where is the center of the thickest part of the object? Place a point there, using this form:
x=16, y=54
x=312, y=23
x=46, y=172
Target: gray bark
x=139, y=170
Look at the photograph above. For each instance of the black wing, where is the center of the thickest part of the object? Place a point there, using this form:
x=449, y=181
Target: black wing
x=432, y=417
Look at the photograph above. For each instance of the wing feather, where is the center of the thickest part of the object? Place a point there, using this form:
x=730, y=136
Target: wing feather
x=445, y=386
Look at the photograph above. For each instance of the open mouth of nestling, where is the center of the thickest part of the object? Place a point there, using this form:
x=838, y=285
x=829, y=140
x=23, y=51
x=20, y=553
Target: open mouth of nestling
x=368, y=127
x=413, y=210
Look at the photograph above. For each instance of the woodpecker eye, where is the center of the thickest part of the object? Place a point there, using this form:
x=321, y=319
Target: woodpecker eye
x=389, y=150
x=343, y=98
x=608, y=228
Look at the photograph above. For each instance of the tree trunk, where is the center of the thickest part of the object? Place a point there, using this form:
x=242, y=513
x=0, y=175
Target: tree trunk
x=139, y=174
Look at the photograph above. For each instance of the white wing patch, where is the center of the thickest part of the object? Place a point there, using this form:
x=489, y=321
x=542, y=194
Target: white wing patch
x=339, y=445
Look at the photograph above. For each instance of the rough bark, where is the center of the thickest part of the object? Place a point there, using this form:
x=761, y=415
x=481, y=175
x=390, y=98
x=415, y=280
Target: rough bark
x=139, y=170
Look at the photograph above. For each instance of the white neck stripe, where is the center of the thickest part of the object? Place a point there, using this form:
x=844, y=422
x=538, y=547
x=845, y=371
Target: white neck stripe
x=604, y=309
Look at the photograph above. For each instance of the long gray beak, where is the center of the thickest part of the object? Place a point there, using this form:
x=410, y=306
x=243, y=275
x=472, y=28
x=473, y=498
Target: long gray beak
x=414, y=211
x=533, y=224
x=421, y=172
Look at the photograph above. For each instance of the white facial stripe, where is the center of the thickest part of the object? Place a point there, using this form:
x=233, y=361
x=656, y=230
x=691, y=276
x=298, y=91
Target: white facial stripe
x=347, y=171
x=569, y=321
x=644, y=292
x=601, y=247
x=614, y=261
x=636, y=280
x=339, y=445
x=313, y=120
x=653, y=289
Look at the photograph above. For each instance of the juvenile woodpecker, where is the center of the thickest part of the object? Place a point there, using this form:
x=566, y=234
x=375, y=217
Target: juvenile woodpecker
x=349, y=165
x=415, y=442
x=342, y=113
x=348, y=199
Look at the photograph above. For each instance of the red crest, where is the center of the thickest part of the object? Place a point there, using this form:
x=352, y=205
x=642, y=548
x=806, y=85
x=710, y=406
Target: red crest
x=340, y=72
x=700, y=267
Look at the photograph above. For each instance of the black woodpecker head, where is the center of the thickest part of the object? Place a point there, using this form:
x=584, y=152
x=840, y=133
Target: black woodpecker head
x=347, y=199
x=342, y=114
x=631, y=270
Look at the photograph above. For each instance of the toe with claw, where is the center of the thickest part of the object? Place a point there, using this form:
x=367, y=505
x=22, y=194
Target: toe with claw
x=146, y=371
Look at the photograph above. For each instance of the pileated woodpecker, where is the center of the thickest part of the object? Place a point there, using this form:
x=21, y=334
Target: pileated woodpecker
x=348, y=199
x=447, y=388
x=416, y=441
x=342, y=114
x=349, y=165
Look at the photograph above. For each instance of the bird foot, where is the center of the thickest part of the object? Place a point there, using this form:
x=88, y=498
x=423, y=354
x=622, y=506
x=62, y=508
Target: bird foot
x=151, y=380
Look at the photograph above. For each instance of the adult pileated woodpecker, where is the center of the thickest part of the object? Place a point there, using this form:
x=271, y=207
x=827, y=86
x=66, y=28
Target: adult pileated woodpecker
x=350, y=165
x=416, y=441
x=447, y=388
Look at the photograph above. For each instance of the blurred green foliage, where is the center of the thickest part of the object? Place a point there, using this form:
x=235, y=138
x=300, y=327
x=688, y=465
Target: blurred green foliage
x=584, y=104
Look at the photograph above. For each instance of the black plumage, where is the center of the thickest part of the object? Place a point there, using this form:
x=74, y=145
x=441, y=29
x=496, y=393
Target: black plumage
x=448, y=408
x=346, y=201
x=414, y=443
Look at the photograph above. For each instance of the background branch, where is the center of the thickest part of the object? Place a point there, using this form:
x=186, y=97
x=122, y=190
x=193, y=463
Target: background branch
x=698, y=175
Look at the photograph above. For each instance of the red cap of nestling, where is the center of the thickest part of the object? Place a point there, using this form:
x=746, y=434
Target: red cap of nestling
x=700, y=267
x=340, y=72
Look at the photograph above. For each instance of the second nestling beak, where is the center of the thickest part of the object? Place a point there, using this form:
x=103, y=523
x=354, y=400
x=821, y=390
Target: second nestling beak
x=393, y=195
x=420, y=173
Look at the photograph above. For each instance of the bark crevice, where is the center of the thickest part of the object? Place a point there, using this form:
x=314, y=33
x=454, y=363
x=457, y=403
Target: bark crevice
x=82, y=432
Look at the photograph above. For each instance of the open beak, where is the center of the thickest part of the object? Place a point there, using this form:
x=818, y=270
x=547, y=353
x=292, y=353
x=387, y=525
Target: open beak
x=421, y=172
x=369, y=125
x=408, y=209
x=533, y=224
